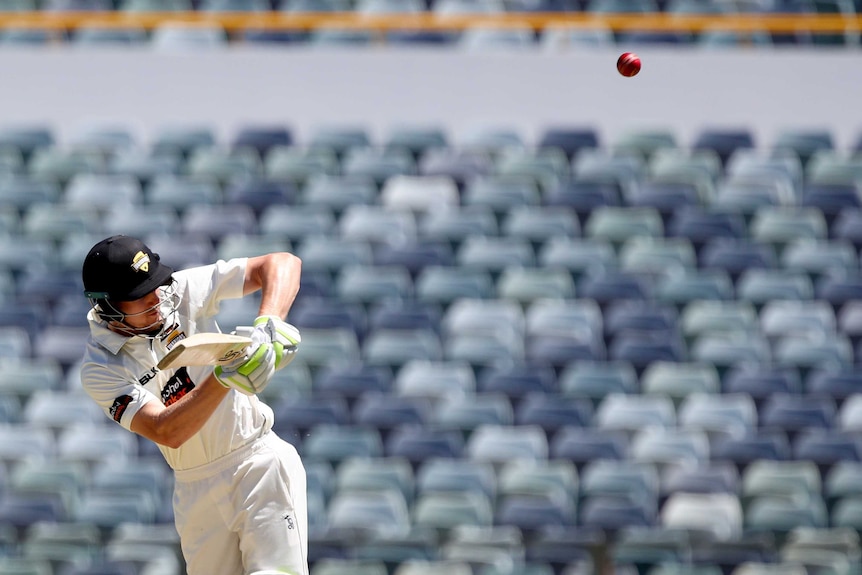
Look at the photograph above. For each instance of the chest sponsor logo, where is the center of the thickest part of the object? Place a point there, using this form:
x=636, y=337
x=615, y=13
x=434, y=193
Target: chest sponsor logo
x=119, y=407
x=177, y=386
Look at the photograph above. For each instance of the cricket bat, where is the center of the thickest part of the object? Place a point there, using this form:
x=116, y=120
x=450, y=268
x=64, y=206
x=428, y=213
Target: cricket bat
x=206, y=349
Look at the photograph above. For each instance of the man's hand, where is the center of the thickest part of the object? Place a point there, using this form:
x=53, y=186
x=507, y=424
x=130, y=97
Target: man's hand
x=249, y=374
x=284, y=337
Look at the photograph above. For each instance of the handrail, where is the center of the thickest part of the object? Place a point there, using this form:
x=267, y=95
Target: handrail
x=238, y=21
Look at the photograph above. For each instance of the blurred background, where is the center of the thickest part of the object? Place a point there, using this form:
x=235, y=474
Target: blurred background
x=555, y=321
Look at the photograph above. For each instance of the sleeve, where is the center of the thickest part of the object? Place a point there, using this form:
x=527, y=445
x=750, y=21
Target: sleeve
x=207, y=286
x=116, y=394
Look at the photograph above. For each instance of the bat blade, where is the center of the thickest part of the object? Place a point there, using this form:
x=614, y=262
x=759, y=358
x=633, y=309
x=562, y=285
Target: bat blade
x=205, y=349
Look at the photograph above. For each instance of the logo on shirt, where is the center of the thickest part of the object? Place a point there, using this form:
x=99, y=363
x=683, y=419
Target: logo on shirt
x=119, y=407
x=177, y=387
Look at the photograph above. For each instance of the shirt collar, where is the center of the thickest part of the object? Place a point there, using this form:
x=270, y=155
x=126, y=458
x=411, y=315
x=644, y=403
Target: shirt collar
x=110, y=340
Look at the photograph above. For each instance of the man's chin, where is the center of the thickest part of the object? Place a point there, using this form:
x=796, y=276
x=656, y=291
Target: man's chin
x=153, y=331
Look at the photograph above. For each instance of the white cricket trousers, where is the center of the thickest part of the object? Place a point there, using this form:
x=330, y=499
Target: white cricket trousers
x=245, y=513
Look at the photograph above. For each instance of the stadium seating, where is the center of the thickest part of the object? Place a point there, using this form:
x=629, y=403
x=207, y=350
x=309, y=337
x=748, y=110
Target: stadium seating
x=513, y=353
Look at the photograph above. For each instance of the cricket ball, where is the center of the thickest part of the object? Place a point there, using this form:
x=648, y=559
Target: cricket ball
x=629, y=64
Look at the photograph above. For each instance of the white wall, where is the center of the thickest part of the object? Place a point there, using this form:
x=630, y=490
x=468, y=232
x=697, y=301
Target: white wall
x=304, y=88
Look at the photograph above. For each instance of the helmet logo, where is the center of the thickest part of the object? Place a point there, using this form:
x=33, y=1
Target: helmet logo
x=141, y=262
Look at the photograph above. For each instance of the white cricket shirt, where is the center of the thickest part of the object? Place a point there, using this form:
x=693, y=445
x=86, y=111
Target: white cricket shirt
x=120, y=374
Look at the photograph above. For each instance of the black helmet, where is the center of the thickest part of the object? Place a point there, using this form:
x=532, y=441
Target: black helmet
x=122, y=268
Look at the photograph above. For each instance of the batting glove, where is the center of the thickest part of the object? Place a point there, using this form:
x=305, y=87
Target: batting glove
x=250, y=374
x=284, y=337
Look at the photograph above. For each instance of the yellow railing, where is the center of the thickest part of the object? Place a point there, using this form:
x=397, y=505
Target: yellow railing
x=235, y=21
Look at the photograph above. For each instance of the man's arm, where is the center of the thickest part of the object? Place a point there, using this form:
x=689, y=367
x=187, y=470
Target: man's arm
x=173, y=425
x=277, y=276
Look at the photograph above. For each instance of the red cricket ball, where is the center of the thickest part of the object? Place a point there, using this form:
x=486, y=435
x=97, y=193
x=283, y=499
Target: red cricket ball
x=629, y=64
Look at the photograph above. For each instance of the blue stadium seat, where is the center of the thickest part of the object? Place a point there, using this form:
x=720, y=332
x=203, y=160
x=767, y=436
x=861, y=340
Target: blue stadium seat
x=818, y=258
x=179, y=192
x=405, y=314
x=782, y=226
x=581, y=445
x=444, y=284
x=713, y=477
x=701, y=226
x=827, y=448
x=531, y=513
x=382, y=512
x=613, y=514
x=502, y=443
x=832, y=199
x=637, y=482
x=693, y=286
x=760, y=286
x=419, y=193
x=494, y=254
x=324, y=313
x=778, y=163
x=386, y=411
x=618, y=224
x=584, y=194
x=737, y=255
x=654, y=256
x=458, y=225
x=305, y=413
x=706, y=316
x=466, y=413
x=538, y=224
x=664, y=447
x=517, y=380
x=796, y=413
x=639, y=316
x=377, y=163
x=803, y=143
x=262, y=138
x=553, y=411
x=839, y=289
x=596, y=380
x=729, y=349
x=641, y=349
x=501, y=193
x=569, y=139
x=259, y=194
x=719, y=515
x=315, y=170
x=218, y=163
x=376, y=224
x=723, y=141
x=762, y=381
x=447, y=474
x=719, y=415
x=608, y=286
x=422, y=443
x=363, y=284
x=837, y=382
x=634, y=413
x=680, y=380
x=786, y=317
x=445, y=510
x=763, y=444
x=320, y=253
x=575, y=255
x=395, y=347
x=666, y=194
x=335, y=443
x=460, y=165
x=525, y=285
